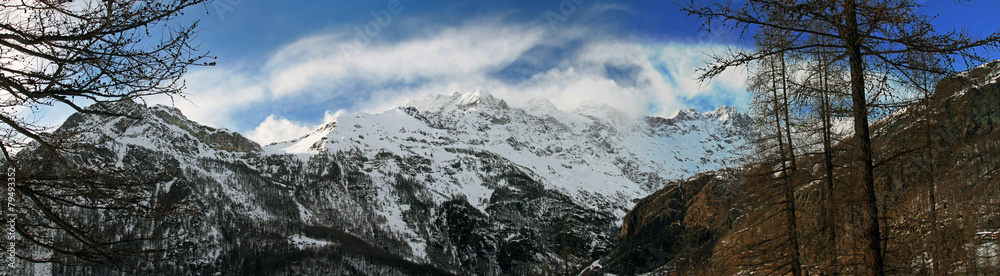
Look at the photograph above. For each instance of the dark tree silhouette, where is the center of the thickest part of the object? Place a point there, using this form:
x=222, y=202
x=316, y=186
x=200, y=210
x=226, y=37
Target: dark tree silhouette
x=76, y=53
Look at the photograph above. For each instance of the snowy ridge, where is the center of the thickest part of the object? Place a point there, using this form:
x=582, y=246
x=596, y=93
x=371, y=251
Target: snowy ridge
x=591, y=150
x=472, y=101
x=158, y=128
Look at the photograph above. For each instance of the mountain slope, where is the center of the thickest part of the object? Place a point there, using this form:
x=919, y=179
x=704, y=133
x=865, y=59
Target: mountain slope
x=459, y=183
x=952, y=152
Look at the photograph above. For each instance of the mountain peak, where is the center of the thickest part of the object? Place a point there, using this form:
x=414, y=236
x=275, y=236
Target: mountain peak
x=158, y=127
x=683, y=114
x=540, y=107
x=723, y=112
x=474, y=100
x=724, y=115
x=605, y=112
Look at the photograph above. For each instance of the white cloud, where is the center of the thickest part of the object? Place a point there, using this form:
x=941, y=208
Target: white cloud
x=213, y=93
x=329, y=117
x=274, y=129
x=677, y=66
x=332, y=73
x=328, y=60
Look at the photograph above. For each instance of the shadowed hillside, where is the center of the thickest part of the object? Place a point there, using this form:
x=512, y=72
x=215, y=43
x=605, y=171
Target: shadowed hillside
x=938, y=181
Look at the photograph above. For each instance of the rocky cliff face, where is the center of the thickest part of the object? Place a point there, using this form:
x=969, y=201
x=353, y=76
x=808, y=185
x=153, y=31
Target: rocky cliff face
x=675, y=226
x=448, y=184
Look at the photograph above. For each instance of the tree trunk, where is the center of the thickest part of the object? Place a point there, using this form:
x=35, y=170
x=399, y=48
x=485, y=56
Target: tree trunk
x=789, y=181
x=825, y=114
x=869, y=210
x=791, y=225
x=787, y=191
x=788, y=119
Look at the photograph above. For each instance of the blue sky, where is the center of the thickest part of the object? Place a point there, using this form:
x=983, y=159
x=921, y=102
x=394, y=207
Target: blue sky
x=286, y=66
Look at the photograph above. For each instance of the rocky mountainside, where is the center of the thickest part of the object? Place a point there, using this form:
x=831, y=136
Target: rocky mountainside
x=447, y=184
x=690, y=227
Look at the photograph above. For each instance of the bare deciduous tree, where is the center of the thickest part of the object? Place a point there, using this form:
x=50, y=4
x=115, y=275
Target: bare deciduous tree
x=74, y=53
x=875, y=38
x=65, y=53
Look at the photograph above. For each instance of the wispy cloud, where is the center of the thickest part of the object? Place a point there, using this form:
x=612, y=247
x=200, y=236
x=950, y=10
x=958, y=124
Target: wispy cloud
x=571, y=66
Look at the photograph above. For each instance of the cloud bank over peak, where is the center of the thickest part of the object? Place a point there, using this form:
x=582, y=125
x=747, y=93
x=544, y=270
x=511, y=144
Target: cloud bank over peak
x=281, y=96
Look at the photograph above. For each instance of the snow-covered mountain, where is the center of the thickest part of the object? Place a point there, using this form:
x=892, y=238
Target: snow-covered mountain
x=591, y=150
x=460, y=183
